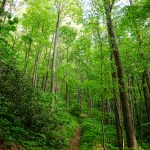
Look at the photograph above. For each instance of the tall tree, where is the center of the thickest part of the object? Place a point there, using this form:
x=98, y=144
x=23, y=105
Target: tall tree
x=130, y=133
x=53, y=76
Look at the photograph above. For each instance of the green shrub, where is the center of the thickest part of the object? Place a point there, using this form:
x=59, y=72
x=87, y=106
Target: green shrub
x=26, y=119
x=75, y=110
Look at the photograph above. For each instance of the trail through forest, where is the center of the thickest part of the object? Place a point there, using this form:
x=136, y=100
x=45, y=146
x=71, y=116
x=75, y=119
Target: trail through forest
x=75, y=141
x=74, y=74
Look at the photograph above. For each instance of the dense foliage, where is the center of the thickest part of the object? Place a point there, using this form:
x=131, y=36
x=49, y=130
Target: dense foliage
x=66, y=64
x=26, y=119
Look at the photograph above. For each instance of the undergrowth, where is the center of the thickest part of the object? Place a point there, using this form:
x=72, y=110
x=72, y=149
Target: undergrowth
x=25, y=116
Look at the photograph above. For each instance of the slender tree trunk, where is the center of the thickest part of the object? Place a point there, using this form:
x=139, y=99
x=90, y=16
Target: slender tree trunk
x=108, y=122
x=35, y=73
x=77, y=86
x=53, y=78
x=44, y=72
x=102, y=122
x=145, y=92
x=119, y=127
x=130, y=132
x=118, y=114
x=132, y=101
x=43, y=81
x=147, y=79
x=26, y=60
x=67, y=96
x=140, y=109
x=48, y=66
x=25, y=64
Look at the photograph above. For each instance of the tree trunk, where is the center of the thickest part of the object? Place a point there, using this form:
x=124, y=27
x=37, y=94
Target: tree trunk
x=108, y=122
x=119, y=127
x=35, y=73
x=25, y=64
x=26, y=60
x=130, y=133
x=146, y=98
x=54, y=61
x=147, y=79
x=67, y=96
x=77, y=86
x=118, y=117
x=44, y=72
x=48, y=67
x=102, y=122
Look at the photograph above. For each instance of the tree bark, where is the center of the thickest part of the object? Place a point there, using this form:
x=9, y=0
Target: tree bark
x=118, y=117
x=147, y=79
x=146, y=98
x=119, y=127
x=26, y=60
x=67, y=94
x=54, y=60
x=129, y=128
x=35, y=73
x=48, y=66
x=102, y=122
x=44, y=72
x=108, y=122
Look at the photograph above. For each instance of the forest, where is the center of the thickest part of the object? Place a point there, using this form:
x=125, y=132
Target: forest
x=74, y=74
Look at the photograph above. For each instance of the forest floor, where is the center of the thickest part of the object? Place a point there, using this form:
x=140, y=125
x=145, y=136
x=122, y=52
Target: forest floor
x=75, y=141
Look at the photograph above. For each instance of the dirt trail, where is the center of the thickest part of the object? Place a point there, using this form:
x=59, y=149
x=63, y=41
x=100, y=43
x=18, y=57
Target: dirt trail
x=75, y=141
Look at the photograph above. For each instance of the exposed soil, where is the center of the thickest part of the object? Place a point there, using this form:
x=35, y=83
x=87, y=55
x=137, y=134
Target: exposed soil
x=75, y=141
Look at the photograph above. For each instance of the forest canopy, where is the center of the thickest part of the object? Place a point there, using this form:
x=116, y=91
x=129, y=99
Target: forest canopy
x=74, y=74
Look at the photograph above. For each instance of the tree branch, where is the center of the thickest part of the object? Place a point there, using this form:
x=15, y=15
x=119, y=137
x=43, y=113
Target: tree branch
x=111, y=5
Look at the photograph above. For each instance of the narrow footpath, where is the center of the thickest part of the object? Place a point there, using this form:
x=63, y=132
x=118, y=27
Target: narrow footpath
x=75, y=141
